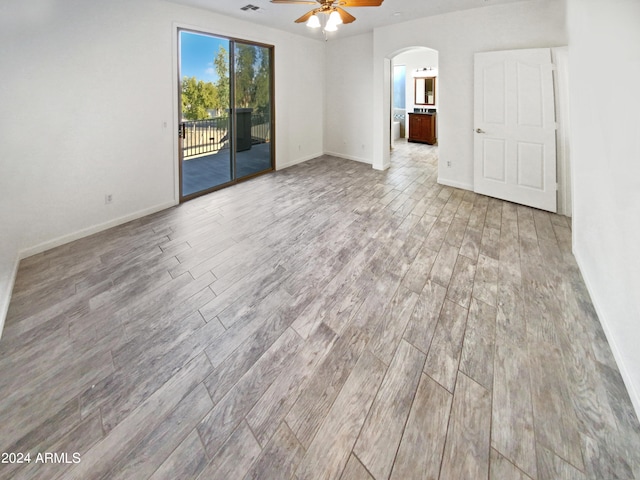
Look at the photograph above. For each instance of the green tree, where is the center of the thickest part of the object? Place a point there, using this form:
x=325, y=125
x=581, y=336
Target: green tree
x=246, y=56
x=221, y=63
x=263, y=83
x=197, y=97
x=252, y=78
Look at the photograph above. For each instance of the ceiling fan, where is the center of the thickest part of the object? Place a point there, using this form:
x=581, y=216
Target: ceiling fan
x=332, y=8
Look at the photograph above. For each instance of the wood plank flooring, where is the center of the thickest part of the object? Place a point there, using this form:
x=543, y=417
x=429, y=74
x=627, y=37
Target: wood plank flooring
x=327, y=321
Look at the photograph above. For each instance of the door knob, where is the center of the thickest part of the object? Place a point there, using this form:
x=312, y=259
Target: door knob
x=479, y=130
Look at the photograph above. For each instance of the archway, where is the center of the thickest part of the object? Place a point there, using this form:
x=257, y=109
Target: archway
x=415, y=58
x=409, y=71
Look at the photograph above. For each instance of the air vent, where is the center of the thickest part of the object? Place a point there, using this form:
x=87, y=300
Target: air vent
x=249, y=7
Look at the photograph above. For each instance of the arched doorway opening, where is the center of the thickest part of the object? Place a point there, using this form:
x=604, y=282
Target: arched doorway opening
x=414, y=73
x=391, y=117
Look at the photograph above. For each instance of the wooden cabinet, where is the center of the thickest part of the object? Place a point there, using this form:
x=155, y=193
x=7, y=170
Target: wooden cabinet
x=422, y=128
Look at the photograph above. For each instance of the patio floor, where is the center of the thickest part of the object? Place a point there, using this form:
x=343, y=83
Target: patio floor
x=207, y=171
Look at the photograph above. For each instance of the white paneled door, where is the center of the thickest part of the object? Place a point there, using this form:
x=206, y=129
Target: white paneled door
x=515, y=128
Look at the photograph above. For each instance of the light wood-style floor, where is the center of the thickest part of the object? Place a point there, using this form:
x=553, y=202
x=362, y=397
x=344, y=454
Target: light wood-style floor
x=324, y=321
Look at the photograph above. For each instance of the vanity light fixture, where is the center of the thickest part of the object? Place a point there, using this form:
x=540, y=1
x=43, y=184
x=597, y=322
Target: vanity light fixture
x=425, y=72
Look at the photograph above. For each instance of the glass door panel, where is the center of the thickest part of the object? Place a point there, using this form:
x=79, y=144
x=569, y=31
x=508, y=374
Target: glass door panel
x=206, y=150
x=226, y=91
x=253, y=92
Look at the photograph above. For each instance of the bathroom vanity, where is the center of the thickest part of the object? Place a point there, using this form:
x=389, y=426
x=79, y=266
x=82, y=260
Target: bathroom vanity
x=422, y=128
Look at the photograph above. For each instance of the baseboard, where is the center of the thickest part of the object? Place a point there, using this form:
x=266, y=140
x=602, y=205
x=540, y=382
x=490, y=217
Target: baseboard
x=631, y=389
x=56, y=242
x=385, y=166
x=5, y=297
x=349, y=157
x=280, y=166
x=453, y=183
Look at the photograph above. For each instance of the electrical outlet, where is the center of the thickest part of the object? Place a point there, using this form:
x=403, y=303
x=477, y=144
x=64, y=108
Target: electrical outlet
x=448, y=163
x=108, y=198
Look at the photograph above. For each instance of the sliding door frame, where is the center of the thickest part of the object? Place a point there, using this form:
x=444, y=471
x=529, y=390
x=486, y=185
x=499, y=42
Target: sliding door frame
x=232, y=110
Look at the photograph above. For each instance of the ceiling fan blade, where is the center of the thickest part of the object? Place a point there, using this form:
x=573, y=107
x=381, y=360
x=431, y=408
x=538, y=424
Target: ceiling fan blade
x=345, y=16
x=360, y=3
x=294, y=1
x=305, y=17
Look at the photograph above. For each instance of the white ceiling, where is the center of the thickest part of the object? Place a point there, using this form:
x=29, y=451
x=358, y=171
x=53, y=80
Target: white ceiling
x=391, y=11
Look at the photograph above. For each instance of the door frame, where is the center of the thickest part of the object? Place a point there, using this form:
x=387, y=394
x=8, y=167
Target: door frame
x=177, y=108
x=560, y=56
x=382, y=121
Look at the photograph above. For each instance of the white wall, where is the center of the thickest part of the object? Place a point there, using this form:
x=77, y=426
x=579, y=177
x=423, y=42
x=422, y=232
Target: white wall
x=86, y=90
x=349, y=106
x=605, y=144
x=8, y=268
x=457, y=36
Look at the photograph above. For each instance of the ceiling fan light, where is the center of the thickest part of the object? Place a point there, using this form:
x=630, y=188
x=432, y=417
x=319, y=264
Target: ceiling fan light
x=314, y=21
x=330, y=27
x=335, y=18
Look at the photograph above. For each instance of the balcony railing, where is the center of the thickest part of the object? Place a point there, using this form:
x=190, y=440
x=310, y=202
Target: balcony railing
x=202, y=137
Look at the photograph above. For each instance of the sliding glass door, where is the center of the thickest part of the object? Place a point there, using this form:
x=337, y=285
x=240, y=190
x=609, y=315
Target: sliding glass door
x=253, y=108
x=226, y=112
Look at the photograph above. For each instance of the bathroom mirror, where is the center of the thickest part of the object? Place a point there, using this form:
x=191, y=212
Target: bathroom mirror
x=425, y=89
